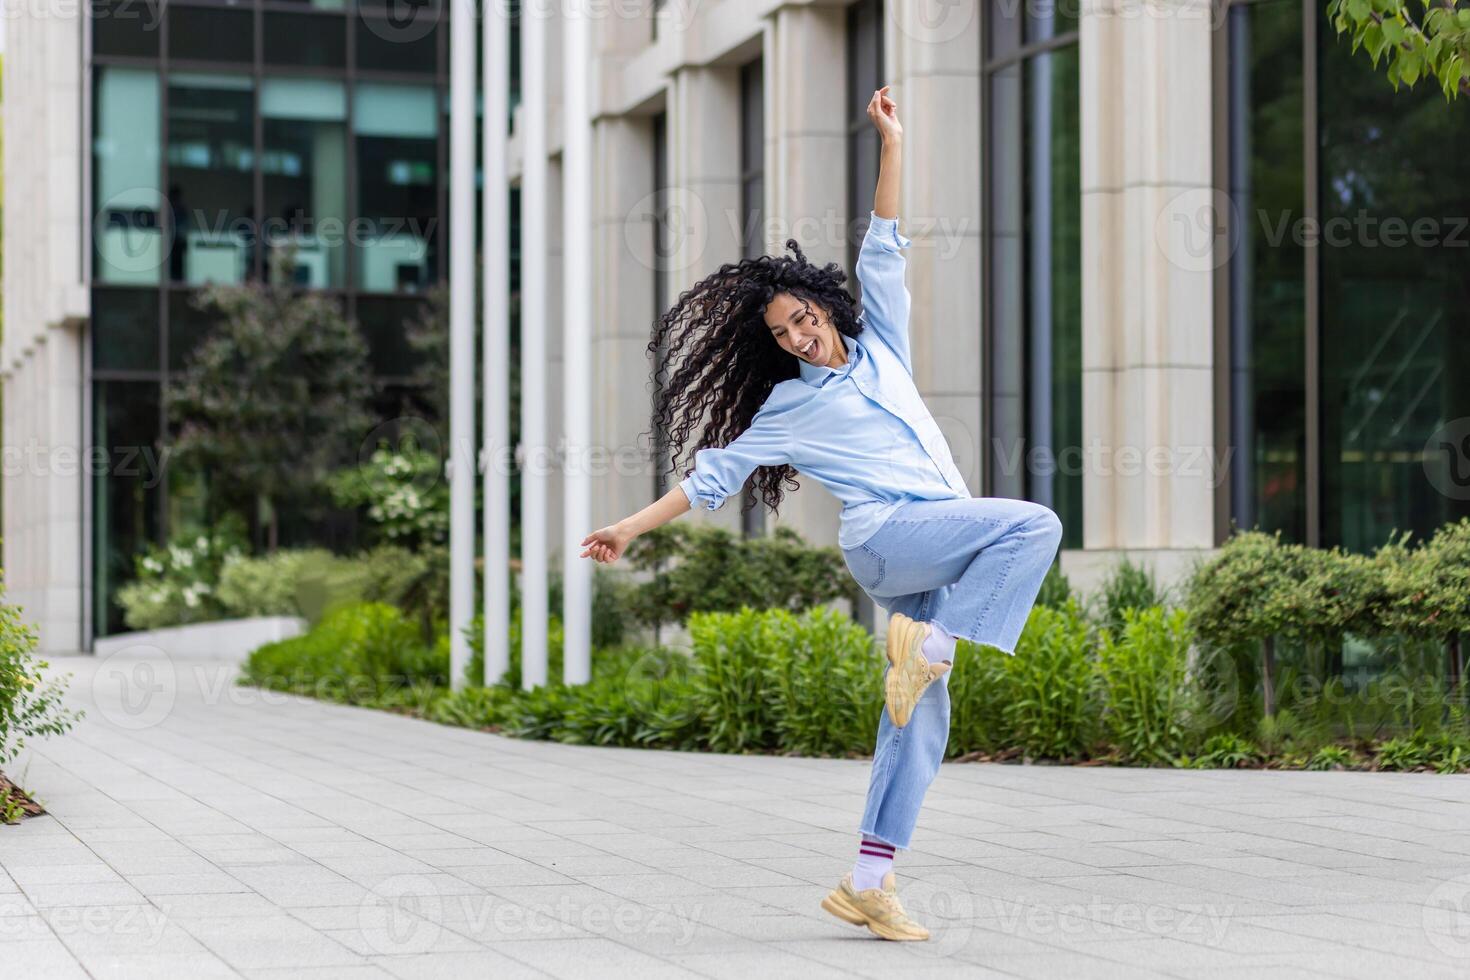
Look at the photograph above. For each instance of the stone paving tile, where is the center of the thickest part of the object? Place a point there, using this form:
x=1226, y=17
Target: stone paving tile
x=274, y=837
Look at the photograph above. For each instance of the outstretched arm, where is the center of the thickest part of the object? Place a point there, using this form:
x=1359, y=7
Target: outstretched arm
x=883, y=111
x=718, y=474
x=880, y=264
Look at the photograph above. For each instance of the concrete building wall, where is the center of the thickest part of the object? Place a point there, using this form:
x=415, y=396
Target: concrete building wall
x=41, y=358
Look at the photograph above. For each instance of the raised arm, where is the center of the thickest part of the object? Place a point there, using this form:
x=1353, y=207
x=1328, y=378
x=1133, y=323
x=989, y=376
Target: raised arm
x=718, y=474
x=880, y=264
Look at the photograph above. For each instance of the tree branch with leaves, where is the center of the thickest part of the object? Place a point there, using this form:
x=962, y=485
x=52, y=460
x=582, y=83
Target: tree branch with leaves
x=1436, y=45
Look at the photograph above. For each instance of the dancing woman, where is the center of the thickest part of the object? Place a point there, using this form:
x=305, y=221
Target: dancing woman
x=772, y=358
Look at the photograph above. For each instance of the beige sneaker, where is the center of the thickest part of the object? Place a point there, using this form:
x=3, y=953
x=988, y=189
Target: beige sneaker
x=911, y=673
x=877, y=908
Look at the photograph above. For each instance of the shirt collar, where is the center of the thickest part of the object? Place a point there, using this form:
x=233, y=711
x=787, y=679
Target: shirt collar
x=817, y=375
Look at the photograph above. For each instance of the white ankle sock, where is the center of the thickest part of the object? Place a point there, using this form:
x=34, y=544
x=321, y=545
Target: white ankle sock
x=939, y=645
x=875, y=859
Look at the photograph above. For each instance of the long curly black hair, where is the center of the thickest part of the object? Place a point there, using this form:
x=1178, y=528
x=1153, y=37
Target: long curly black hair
x=722, y=360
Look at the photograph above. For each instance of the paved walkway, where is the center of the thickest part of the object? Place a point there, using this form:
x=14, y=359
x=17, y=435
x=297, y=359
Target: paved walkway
x=203, y=830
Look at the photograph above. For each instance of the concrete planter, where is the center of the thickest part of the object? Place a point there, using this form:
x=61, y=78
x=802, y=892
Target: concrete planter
x=228, y=639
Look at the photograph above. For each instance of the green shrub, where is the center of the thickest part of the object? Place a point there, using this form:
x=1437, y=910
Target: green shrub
x=823, y=682
x=1050, y=710
x=1225, y=751
x=266, y=586
x=728, y=649
x=1146, y=686
x=1055, y=589
x=356, y=654
x=978, y=695
x=176, y=585
x=30, y=704
x=694, y=568
x=1127, y=586
x=1331, y=757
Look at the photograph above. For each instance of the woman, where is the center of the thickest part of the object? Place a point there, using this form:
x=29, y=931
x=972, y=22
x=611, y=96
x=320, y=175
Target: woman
x=772, y=357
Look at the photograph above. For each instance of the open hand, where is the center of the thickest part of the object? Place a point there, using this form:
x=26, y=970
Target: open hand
x=884, y=113
x=605, y=544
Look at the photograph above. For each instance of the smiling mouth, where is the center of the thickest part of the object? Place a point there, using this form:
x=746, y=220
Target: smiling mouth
x=810, y=350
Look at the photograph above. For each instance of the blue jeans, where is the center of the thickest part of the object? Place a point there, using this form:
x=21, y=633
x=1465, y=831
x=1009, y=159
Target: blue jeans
x=974, y=566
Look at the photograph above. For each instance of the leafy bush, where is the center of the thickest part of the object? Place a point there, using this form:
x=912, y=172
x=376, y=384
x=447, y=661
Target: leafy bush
x=1127, y=586
x=176, y=585
x=30, y=705
x=1146, y=685
x=356, y=654
x=1055, y=589
x=1050, y=710
x=694, y=568
x=267, y=586
x=403, y=493
x=1225, y=751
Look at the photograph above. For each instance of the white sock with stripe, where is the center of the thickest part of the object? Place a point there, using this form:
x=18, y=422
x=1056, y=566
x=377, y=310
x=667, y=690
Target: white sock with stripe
x=939, y=645
x=875, y=859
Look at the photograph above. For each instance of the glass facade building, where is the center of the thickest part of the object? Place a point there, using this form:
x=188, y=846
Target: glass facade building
x=220, y=135
x=1346, y=294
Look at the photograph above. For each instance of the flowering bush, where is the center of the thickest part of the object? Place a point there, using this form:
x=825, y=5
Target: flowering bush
x=177, y=585
x=403, y=492
x=30, y=705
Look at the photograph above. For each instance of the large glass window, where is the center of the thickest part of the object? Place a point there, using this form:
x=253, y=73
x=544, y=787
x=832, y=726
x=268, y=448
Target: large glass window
x=1033, y=268
x=312, y=40
x=864, y=145
x=752, y=158
x=210, y=33
x=305, y=166
x=125, y=504
x=396, y=136
x=128, y=208
x=1348, y=313
x=211, y=167
x=753, y=214
x=1266, y=279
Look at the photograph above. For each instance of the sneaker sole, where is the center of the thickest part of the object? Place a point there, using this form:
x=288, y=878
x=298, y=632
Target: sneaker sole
x=837, y=904
x=908, y=674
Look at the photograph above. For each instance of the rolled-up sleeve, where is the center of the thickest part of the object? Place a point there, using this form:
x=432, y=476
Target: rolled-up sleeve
x=720, y=473
x=880, y=272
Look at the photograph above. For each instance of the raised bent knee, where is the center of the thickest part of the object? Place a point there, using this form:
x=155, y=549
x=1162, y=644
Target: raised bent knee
x=1047, y=525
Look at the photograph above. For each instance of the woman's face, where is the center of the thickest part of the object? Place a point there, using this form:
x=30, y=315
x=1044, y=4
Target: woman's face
x=804, y=330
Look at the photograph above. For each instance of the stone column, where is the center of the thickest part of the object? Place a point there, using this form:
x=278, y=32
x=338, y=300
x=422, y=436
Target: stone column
x=1148, y=307
x=623, y=314
x=933, y=58
x=704, y=200
x=806, y=180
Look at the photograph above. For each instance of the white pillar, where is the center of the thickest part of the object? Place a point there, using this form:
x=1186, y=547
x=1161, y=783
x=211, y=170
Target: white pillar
x=533, y=345
x=576, y=347
x=1147, y=301
x=461, y=340
x=495, y=371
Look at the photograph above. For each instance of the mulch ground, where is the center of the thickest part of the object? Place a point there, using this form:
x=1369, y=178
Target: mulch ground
x=13, y=799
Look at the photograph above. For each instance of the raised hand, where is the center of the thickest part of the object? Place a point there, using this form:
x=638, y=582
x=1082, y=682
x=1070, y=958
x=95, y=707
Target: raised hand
x=883, y=111
x=606, y=544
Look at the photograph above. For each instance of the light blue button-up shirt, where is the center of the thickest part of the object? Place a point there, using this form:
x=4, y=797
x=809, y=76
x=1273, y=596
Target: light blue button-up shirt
x=860, y=430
